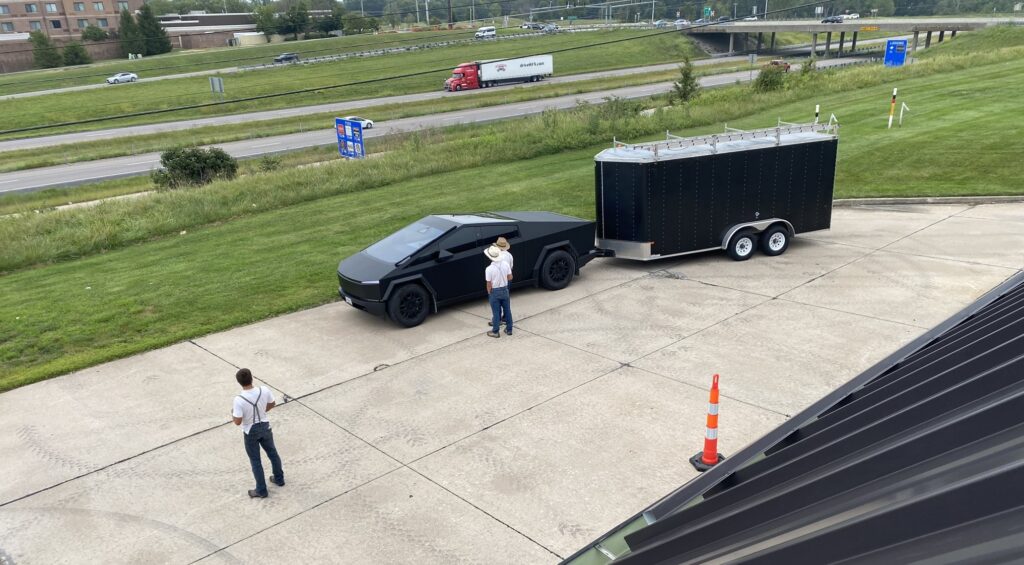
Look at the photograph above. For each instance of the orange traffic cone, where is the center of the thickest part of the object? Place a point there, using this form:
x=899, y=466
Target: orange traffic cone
x=710, y=456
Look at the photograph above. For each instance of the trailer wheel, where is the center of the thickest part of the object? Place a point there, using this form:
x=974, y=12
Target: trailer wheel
x=409, y=305
x=775, y=241
x=742, y=245
x=557, y=269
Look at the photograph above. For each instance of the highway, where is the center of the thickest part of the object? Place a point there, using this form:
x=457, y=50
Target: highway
x=92, y=171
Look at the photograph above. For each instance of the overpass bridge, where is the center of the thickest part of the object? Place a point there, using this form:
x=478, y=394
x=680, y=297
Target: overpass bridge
x=915, y=26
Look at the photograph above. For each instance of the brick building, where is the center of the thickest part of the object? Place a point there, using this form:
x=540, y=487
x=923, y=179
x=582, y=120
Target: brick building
x=62, y=19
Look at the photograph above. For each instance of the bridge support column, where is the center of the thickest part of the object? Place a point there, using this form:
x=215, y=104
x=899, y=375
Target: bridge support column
x=913, y=46
x=814, y=45
x=853, y=42
x=941, y=35
x=760, y=40
x=952, y=34
x=732, y=43
x=842, y=38
x=828, y=44
x=772, y=47
x=928, y=40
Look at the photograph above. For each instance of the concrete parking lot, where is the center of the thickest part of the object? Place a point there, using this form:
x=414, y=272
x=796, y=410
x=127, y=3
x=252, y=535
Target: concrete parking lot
x=438, y=444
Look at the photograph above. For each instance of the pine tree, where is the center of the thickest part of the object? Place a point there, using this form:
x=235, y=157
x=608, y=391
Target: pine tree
x=131, y=36
x=154, y=36
x=75, y=54
x=686, y=88
x=44, y=54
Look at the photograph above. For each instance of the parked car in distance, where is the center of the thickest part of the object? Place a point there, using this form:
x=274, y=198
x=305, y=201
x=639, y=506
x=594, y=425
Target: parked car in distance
x=778, y=63
x=439, y=260
x=832, y=20
x=287, y=58
x=122, y=77
x=363, y=122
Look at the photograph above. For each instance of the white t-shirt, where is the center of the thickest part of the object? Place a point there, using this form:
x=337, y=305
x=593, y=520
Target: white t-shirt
x=497, y=273
x=245, y=409
x=506, y=257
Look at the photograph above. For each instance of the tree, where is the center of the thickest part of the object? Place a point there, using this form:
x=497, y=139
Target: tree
x=352, y=22
x=44, y=54
x=686, y=88
x=75, y=54
x=93, y=33
x=332, y=22
x=266, y=20
x=132, y=40
x=154, y=36
x=194, y=166
x=295, y=20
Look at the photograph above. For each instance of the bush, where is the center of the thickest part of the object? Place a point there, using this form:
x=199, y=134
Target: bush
x=44, y=54
x=269, y=163
x=770, y=79
x=93, y=33
x=194, y=166
x=75, y=54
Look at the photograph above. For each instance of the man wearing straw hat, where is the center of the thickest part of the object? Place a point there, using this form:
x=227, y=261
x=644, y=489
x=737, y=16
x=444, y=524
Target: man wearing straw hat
x=506, y=256
x=498, y=275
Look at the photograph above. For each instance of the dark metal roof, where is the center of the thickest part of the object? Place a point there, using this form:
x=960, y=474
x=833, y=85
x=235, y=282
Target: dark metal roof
x=920, y=458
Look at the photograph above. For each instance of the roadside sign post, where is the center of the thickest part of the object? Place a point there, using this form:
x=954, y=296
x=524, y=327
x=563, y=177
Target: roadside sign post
x=892, y=108
x=217, y=87
x=895, y=52
x=350, y=138
x=753, y=59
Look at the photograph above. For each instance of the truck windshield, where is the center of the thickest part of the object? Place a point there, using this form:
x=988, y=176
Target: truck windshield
x=457, y=75
x=404, y=242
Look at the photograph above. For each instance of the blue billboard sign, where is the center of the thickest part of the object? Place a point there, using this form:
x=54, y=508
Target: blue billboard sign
x=895, y=52
x=350, y=138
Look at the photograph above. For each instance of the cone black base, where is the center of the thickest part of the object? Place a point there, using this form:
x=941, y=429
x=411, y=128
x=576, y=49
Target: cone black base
x=698, y=461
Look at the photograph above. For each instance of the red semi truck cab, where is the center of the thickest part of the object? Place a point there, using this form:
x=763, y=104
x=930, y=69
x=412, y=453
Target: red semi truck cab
x=464, y=77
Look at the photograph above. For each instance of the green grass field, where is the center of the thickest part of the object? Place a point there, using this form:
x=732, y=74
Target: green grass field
x=159, y=289
x=129, y=98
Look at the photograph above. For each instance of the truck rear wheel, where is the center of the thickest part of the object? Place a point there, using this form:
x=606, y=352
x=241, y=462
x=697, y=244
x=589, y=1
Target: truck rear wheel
x=775, y=241
x=742, y=245
x=557, y=270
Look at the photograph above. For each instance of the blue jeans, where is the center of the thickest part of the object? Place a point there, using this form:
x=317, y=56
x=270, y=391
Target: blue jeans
x=500, y=302
x=260, y=435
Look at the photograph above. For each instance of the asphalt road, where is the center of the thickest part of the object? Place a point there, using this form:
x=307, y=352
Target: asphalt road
x=92, y=171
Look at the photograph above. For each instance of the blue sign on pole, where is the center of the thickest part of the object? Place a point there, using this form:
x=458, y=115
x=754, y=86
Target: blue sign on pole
x=895, y=52
x=350, y=138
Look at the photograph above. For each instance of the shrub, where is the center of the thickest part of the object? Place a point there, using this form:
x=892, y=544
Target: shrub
x=770, y=79
x=686, y=88
x=808, y=67
x=93, y=33
x=75, y=54
x=269, y=163
x=194, y=166
x=44, y=54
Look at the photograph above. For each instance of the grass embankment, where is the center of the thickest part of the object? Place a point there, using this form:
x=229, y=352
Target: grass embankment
x=274, y=241
x=172, y=93
x=187, y=61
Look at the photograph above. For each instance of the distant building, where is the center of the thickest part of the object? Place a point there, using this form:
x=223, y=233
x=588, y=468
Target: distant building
x=63, y=19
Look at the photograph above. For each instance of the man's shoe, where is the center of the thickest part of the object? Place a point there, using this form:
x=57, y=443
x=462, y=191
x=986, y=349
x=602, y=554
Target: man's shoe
x=274, y=480
x=508, y=332
x=493, y=334
x=255, y=494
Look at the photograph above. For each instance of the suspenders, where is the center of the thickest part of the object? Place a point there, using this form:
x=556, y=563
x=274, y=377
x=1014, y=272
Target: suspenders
x=255, y=410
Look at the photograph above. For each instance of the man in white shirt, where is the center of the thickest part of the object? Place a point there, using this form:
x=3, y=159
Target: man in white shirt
x=250, y=411
x=506, y=256
x=498, y=275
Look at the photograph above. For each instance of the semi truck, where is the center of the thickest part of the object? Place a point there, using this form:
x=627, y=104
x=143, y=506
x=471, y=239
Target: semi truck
x=484, y=74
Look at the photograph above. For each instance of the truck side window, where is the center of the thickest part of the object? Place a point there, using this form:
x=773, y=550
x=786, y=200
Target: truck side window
x=488, y=234
x=463, y=239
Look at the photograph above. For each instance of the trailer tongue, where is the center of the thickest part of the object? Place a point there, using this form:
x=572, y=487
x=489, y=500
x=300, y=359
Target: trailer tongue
x=734, y=191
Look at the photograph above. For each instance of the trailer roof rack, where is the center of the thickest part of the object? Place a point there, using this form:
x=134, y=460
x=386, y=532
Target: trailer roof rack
x=675, y=147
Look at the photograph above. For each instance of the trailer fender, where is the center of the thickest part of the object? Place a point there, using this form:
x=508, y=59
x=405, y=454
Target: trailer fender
x=759, y=226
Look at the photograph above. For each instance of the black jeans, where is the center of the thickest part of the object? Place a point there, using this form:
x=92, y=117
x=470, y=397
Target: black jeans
x=260, y=435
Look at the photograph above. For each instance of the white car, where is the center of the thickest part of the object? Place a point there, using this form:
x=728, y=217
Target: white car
x=681, y=22
x=123, y=77
x=851, y=16
x=363, y=122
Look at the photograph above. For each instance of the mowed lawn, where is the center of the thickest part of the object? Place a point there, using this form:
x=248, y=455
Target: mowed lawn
x=437, y=65
x=70, y=315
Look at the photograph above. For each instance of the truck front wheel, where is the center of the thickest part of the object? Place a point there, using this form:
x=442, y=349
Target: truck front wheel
x=409, y=305
x=458, y=87
x=742, y=245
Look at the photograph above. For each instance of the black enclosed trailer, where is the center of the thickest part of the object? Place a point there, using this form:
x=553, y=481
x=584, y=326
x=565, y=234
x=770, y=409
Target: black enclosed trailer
x=730, y=191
